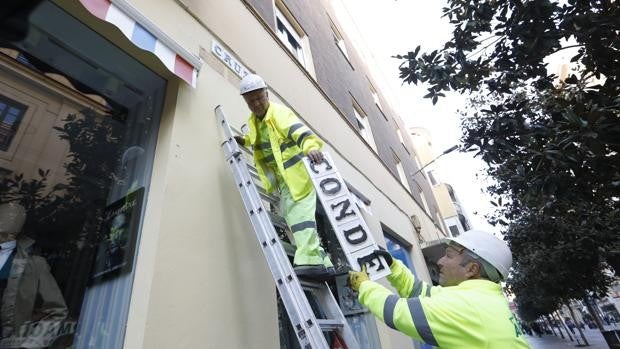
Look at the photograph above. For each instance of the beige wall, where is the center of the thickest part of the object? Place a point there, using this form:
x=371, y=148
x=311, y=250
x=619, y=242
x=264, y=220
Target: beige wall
x=444, y=201
x=201, y=280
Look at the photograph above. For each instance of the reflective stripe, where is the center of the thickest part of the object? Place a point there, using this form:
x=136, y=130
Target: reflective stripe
x=293, y=128
x=388, y=310
x=302, y=136
x=286, y=145
x=417, y=289
x=420, y=322
x=269, y=158
x=292, y=161
x=262, y=146
x=303, y=225
x=428, y=290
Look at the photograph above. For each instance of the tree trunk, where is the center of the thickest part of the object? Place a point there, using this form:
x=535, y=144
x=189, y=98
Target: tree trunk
x=565, y=327
x=558, y=327
x=572, y=315
x=550, y=325
x=597, y=319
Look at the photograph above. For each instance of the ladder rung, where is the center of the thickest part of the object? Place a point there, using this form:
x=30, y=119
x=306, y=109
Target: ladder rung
x=311, y=285
x=330, y=324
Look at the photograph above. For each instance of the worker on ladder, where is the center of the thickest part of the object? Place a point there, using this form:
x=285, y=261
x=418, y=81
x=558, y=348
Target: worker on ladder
x=279, y=141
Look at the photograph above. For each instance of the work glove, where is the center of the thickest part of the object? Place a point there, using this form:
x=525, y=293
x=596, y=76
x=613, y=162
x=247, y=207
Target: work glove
x=315, y=156
x=385, y=254
x=357, y=277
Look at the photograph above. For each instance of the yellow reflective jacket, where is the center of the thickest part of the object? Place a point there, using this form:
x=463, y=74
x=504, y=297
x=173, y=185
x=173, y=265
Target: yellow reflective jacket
x=472, y=315
x=290, y=140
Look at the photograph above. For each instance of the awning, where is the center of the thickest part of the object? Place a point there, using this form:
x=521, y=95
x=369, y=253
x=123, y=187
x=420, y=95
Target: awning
x=145, y=35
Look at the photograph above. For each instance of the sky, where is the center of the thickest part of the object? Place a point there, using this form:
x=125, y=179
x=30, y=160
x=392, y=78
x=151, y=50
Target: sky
x=382, y=28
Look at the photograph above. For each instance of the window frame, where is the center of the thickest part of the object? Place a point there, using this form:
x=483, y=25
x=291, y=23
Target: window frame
x=427, y=209
x=303, y=56
x=339, y=39
x=375, y=96
x=400, y=169
x=363, y=125
x=392, y=239
x=13, y=130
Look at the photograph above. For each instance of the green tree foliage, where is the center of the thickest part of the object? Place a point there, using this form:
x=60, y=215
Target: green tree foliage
x=553, y=147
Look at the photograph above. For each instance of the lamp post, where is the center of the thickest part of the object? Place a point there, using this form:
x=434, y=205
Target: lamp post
x=449, y=150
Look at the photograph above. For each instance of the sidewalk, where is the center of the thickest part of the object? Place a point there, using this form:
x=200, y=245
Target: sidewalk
x=594, y=337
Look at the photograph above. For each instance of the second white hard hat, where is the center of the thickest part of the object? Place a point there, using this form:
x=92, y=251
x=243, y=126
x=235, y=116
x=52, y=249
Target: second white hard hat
x=487, y=247
x=251, y=82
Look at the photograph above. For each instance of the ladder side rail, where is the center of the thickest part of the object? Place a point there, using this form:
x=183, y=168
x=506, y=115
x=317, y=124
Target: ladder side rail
x=334, y=312
x=299, y=310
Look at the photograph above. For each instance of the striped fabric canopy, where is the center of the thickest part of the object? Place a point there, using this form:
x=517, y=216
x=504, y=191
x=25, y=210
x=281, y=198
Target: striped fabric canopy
x=142, y=37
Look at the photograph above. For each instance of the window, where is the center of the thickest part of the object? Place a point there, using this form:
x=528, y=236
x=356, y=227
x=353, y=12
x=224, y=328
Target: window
x=375, y=97
x=289, y=34
x=423, y=198
x=338, y=39
x=79, y=175
x=11, y=114
x=398, y=250
x=400, y=136
x=454, y=230
x=417, y=161
x=363, y=126
x=431, y=177
x=401, y=172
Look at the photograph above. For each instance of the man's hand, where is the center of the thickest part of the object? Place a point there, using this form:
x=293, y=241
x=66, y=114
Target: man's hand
x=357, y=277
x=315, y=156
x=385, y=254
x=240, y=140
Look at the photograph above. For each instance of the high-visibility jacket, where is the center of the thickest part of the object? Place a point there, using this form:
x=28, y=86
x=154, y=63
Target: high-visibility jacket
x=290, y=140
x=472, y=315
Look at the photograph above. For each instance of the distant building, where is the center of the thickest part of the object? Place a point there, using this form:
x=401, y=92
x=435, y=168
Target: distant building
x=454, y=217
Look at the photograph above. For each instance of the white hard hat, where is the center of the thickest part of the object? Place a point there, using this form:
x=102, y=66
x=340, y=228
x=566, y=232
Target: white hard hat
x=251, y=82
x=487, y=247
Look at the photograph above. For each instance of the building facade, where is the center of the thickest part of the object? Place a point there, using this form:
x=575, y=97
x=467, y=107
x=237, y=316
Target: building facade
x=448, y=205
x=109, y=141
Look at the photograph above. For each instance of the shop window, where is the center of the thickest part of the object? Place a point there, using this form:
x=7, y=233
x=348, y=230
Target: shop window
x=11, y=114
x=73, y=191
x=399, y=250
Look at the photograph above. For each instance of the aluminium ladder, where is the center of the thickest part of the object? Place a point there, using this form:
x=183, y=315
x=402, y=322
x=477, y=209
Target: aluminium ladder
x=308, y=329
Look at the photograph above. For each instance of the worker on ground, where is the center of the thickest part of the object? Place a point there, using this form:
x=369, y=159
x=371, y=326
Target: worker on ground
x=280, y=141
x=468, y=310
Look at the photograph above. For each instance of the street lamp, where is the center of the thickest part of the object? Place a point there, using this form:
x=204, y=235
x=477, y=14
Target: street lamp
x=449, y=150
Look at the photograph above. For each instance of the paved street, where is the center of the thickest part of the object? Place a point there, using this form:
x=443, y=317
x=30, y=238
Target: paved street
x=595, y=339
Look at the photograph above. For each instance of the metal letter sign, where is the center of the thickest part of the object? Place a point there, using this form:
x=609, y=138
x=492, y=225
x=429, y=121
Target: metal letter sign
x=344, y=215
x=220, y=52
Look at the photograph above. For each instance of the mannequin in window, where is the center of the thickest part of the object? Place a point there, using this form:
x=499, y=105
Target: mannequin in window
x=32, y=303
